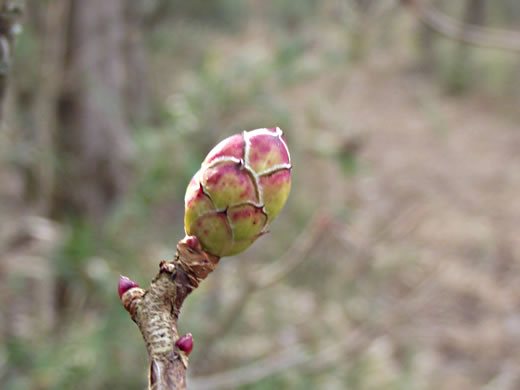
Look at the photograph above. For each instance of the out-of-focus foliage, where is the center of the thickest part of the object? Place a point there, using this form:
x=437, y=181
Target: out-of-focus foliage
x=395, y=263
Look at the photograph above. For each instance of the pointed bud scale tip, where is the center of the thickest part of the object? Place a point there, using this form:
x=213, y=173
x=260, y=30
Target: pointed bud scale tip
x=185, y=343
x=124, y=285
x=240, y=188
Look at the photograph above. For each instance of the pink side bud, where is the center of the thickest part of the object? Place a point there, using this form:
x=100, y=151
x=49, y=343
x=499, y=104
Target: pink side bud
x=185, y=343
x=193, y=242
x=124, y=285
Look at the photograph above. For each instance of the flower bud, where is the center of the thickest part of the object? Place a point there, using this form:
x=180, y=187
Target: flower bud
x=241, y=186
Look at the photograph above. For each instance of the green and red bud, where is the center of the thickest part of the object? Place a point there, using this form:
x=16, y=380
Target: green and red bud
x=240, y=188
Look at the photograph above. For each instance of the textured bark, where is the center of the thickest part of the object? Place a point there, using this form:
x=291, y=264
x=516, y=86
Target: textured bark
x=156, y=310
x=93, y=139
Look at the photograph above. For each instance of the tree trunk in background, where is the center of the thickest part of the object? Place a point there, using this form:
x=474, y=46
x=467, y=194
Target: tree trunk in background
x=51, y=24
x=136, y=93
x=474, y=14
x=93, y=139
x=9, y=15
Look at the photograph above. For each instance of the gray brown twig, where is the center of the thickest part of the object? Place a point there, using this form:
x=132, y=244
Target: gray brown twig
x=156, y=311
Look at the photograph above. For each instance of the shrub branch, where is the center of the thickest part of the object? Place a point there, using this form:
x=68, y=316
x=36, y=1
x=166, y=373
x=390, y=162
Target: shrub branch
x=156, y=311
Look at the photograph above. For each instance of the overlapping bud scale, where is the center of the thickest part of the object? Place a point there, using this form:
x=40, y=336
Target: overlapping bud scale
x=241, y=186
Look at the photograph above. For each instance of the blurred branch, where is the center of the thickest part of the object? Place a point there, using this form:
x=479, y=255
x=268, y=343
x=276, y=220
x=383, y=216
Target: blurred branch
x=468, y=33
x=10, y=13
x=52, y=69
x=161, y=11
x=353, y=10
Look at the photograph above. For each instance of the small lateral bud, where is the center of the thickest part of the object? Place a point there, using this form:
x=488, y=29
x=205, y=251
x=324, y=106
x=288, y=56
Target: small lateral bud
x=124, y=285
x=185, y=343
x=193, y=242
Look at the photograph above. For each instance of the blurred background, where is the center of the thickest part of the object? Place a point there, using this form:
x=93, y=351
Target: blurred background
x=396, y=261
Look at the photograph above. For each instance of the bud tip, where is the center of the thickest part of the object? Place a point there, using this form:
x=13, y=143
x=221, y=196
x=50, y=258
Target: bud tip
x=124, y=285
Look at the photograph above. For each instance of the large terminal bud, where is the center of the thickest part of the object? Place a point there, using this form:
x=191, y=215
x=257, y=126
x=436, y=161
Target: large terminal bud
x=241, y=186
